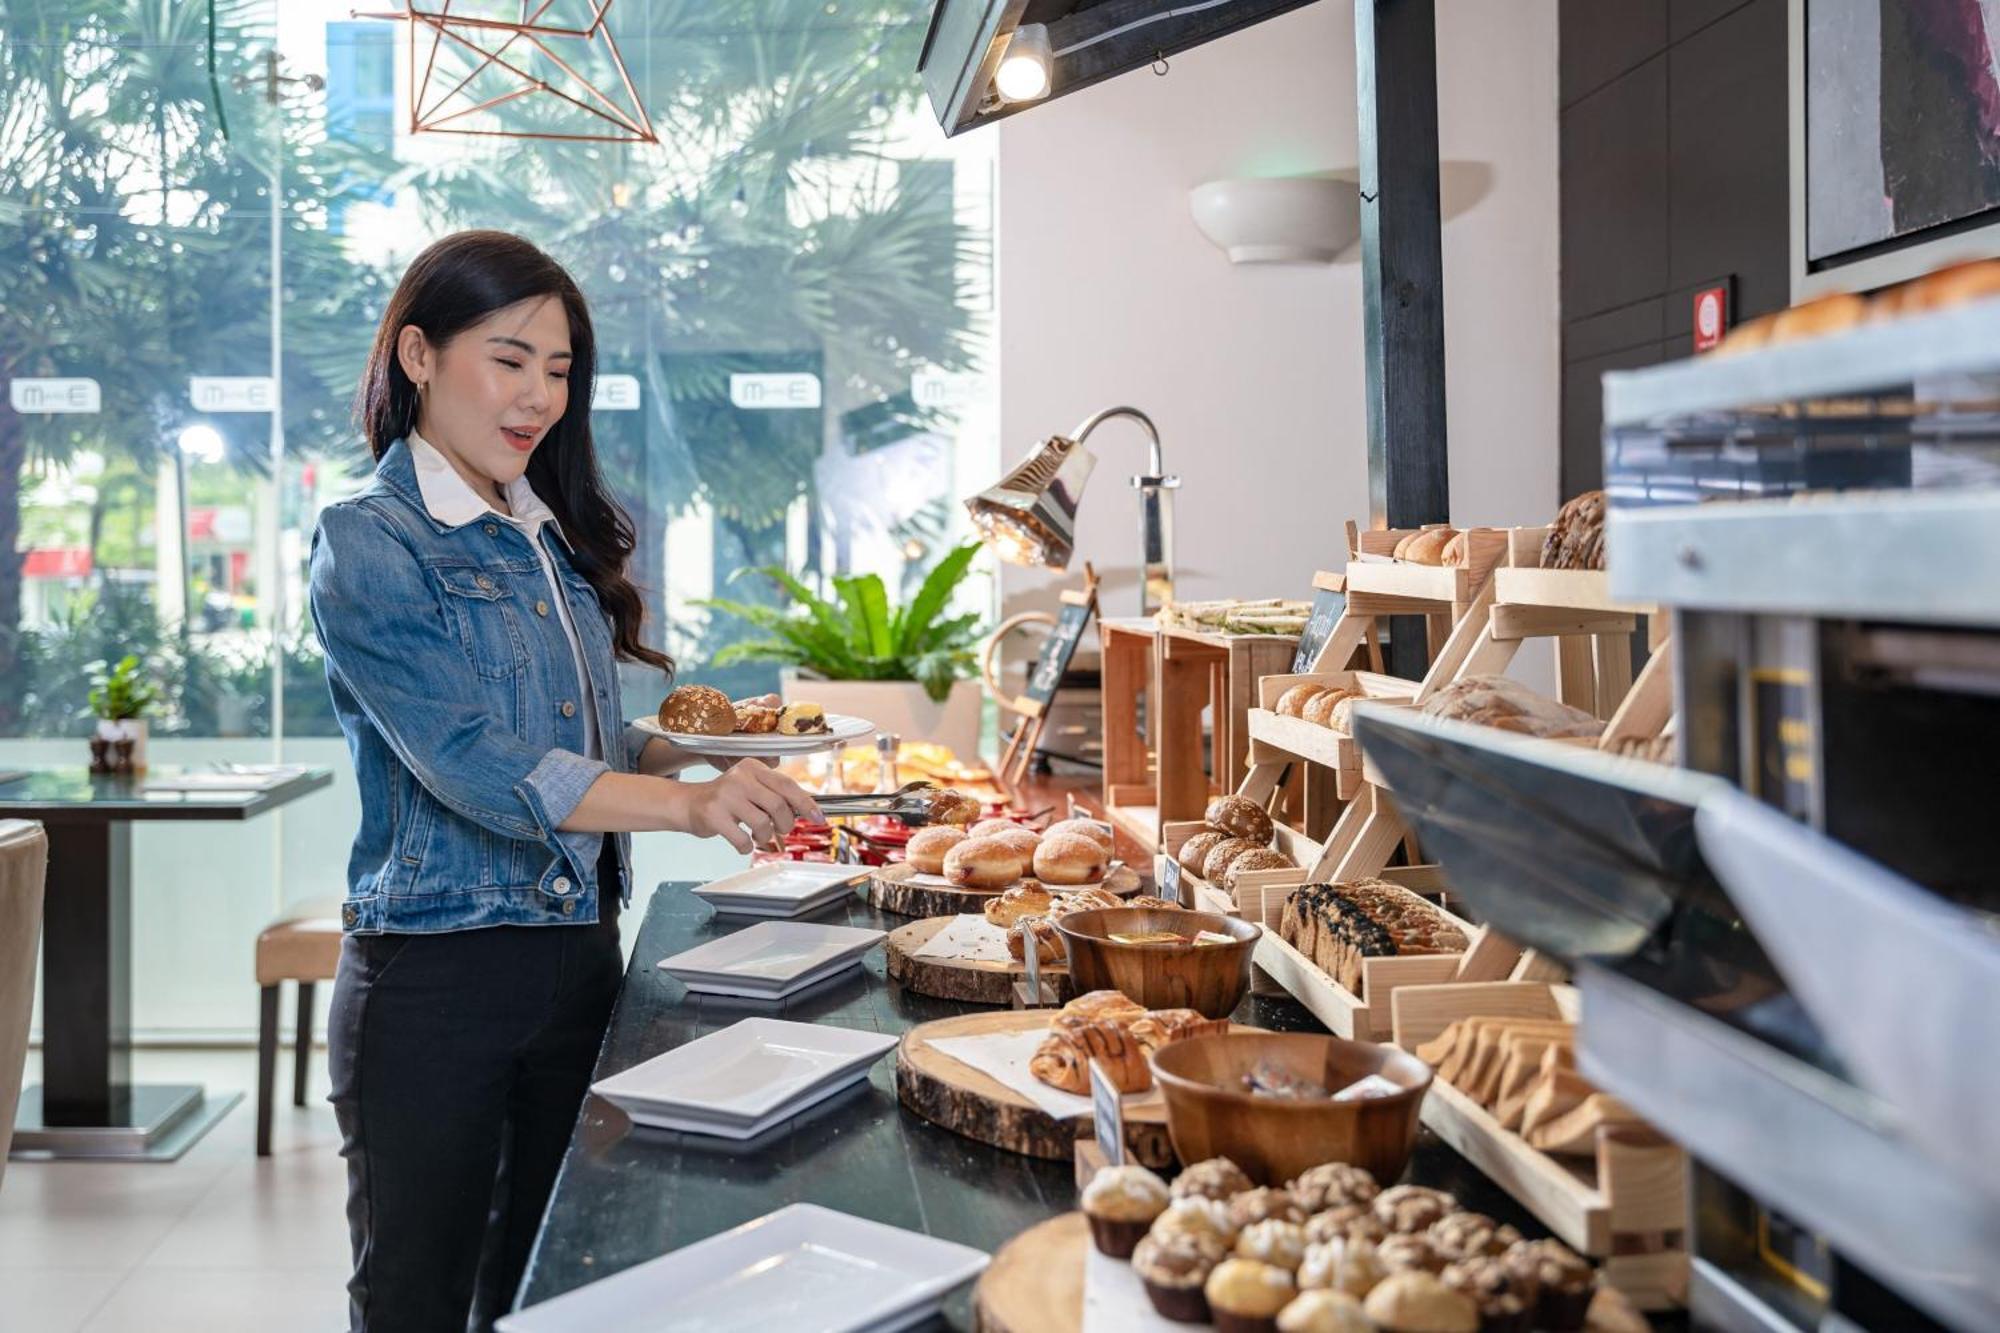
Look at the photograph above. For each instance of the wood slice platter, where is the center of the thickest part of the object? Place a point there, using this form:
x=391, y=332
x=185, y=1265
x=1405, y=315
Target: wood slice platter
x=957, y=1097
x=1035, y=1282
x=891, y=889
x=960, y=978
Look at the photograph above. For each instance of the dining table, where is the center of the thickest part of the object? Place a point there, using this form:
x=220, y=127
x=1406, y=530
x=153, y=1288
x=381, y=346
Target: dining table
x=87, y=1104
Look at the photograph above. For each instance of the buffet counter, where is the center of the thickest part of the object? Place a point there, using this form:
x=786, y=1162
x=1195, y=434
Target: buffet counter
x=627, y=1194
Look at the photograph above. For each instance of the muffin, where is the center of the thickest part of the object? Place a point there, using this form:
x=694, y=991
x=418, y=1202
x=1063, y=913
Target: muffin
x=1245, y=1296
x=1349, y=1266
x=1505, y=1299
x=1121, y=1203
x=1563, y=1282
x=1332, y=1184
x=1264, y=1205
x=1216, y=1178
x=1410, y=1209
x=1274, y=1242
x=1323, y=1312
x=1172, y=1268
x=1470, y=1236
x=1419, y=1303
x=1193, y=1215
x=1350, y=1220
x=1402, y=1254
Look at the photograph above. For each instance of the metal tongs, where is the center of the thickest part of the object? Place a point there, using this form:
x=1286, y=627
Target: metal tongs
x=912, y=803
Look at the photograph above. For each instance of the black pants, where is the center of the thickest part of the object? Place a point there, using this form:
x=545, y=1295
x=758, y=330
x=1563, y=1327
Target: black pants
x=459, y=1062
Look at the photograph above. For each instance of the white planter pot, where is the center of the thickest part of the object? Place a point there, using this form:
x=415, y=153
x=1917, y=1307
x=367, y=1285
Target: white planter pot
x=898, y=706
x=133, y=729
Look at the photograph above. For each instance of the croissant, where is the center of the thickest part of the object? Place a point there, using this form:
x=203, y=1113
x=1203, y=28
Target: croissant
x=1110, y=1005
x=1060, y=1064
x=1163, y=1027
x=1020, y=901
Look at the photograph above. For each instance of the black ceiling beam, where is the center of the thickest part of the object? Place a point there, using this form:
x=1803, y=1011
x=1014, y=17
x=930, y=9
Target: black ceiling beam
x=1402, y=278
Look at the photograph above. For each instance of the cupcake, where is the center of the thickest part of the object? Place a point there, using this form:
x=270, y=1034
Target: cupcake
x=1343, y=1264
x=1217, y=1178
x=1349, y=1220
x=1245, y=1296
x=1323, y=1312
x=1172, y=1268
x=1419, y=1303
x=1265, y=1205
x=1403, y=1254
x=1275, y=1242
x=1333, y=1185
x=1505, y=1300
x=1470, y=1236
x=1563, y=1282
x=1195, y=1216
x=1410, y=1209
x=1121, y=1202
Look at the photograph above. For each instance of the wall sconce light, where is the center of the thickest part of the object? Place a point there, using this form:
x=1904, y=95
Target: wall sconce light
x=1279, y=220
x=1026, y=69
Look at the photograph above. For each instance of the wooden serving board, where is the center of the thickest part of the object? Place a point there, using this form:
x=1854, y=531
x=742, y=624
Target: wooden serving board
x=1035, y=1282
x=957, y=1097
x=959, y=978
x=890, y=890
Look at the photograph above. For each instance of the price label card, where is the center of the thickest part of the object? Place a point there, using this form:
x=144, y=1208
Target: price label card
x=1170, y=882
x=1032, y=958
x=1327, y=605
x=1107, y=1112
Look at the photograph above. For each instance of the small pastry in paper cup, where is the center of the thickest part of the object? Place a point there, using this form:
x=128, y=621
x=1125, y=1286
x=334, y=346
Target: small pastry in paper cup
x=1217, y=1178
x=1563, y=1279
x=1323, y=1311
x=1121, y=1203
x=1244, y=1296
x=1172, y=1266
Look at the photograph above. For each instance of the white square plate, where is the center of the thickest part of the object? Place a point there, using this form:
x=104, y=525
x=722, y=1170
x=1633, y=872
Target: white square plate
x=780, y=888
x=803, y=1269
x=746, y=1070
x=772, y=952
x=659, y=1117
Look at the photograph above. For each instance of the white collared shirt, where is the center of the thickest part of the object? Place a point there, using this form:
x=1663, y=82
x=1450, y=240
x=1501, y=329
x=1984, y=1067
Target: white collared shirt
x=451, y=501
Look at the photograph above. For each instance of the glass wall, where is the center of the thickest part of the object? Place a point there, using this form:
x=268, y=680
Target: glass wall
x=792, y=291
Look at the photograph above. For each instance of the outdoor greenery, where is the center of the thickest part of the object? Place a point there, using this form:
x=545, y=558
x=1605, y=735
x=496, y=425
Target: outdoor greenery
x=861, y=636
x=771, y=228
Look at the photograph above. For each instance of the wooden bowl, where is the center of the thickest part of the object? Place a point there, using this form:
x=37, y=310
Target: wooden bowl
x=1277, y=1139
x=1208, y=978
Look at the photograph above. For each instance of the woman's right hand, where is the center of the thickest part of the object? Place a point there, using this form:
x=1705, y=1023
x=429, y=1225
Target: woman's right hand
x=749, y=805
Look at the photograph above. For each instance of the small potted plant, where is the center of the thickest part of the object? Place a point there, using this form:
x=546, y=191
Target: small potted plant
x=908, y=669
x=119, y=700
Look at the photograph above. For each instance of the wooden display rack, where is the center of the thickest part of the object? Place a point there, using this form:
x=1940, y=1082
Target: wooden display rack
x=1129, y=707
x=1627, y=1207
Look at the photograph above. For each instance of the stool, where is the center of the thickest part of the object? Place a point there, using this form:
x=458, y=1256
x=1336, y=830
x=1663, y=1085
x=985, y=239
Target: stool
x=303, y=947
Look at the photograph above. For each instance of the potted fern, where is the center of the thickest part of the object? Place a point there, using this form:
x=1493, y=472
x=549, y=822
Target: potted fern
x=908, y=669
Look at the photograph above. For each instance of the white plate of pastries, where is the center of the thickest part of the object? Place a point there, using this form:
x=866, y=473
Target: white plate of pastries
x=704, y=720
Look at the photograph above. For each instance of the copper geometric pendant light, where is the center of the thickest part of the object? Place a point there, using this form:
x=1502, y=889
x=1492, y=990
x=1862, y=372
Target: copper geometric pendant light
x=463, y=62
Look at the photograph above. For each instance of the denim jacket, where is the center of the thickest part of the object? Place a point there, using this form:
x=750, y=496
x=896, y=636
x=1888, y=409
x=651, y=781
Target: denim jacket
x=456, y=690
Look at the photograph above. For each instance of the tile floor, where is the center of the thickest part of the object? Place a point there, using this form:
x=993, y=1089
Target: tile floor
x=217, y=1242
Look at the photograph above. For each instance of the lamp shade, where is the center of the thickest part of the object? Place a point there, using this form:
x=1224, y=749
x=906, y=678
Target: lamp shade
x=1279, y=220
x=1028, y=517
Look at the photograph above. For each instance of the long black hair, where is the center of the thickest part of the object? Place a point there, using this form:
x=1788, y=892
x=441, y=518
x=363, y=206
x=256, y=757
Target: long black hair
x=447, y=289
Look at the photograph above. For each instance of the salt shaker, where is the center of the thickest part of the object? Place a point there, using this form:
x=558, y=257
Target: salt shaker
x=886, y=745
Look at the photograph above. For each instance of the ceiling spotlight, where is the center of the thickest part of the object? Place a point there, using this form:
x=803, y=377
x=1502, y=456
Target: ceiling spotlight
x=1024, y=71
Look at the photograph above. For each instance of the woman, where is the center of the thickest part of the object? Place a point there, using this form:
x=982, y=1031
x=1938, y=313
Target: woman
x=473, y=603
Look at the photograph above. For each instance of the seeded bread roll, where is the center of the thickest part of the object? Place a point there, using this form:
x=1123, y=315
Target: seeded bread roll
x=1196, y=849
x=1576, y=538
x=698, y=710
x=1217, y=863
x=1257, y=858
x=1320, y=711
x=1240, y=817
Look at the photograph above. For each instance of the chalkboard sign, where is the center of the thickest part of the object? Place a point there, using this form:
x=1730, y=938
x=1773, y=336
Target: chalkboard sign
x=1327, y=606
x=1058, y=649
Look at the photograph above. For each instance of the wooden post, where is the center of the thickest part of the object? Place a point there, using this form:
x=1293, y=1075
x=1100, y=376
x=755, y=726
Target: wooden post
x=1402, y=279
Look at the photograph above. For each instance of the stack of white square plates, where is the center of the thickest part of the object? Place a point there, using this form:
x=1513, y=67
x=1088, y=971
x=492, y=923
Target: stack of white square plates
x=746, y=1079
x=781, y=888
x=772, y=959
x=802, y=1269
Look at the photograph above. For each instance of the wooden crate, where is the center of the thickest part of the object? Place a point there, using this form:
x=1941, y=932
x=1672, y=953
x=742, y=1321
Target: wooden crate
x=1125, y=680
x=1204, y=687
x=1278, y=739
x=1364, y=1017
x=1627, y=1206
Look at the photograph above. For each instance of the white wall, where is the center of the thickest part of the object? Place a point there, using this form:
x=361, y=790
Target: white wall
x=1109, y=294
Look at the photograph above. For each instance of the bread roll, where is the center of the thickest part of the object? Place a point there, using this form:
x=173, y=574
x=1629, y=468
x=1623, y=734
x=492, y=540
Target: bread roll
x=1320, y=711
x=1292, y=703
x=1342, y=718
x=1022, y=839
x=1217, y=863
x=1952, y=285
x=1457, y=552
x=927, y=847
x=983, y=863
x=1427, y=547
x=698, y=710
x=1070, y=858
x=1240, y=817
x=1748, y=336
x=1023, y=900
x=1087, y=828
x=1260, y=858
x=1196, y=849
x=1108, y=1005
x=1832, y=313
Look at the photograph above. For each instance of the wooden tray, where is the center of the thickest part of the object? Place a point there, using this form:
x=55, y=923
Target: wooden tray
x=889, y=890
x=958, y=978
x=1035, y=1282
x=1627, y=1207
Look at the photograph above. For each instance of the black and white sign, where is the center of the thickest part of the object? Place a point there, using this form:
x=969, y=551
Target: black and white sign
x=774, y=392
x=232, y=393
x=1057, y=650
x=49, y=397
x=1107, y=1113
x=1327, y=606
